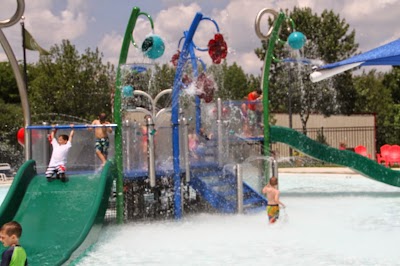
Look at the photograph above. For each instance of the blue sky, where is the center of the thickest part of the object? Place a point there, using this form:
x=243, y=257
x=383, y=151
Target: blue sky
x=101, y=23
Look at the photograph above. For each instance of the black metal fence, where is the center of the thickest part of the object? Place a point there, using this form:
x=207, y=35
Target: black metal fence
x=333, y=136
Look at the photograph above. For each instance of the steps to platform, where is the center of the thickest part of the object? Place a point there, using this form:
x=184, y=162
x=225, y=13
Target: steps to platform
x=219, y=189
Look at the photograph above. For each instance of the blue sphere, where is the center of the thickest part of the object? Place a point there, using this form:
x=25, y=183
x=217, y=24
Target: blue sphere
x=296, y=40
x=127, y=91
x=153, y=47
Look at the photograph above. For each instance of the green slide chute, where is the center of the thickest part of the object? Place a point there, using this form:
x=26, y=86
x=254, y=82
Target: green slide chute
x=59, y=220
x=358, y=163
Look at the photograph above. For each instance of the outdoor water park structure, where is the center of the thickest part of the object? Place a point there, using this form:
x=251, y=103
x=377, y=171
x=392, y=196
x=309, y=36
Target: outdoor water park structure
x=154, y=171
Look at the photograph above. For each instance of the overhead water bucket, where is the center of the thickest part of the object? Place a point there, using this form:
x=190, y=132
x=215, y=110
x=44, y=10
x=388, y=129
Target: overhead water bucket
x=153, y=46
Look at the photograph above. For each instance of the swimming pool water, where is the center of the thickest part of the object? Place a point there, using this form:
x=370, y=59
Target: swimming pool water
x=329, y=220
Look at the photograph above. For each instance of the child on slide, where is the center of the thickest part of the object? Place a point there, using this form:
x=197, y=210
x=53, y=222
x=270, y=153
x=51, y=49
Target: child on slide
x=58, y=161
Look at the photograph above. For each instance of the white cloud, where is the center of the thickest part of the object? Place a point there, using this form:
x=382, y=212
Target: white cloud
x=248, y=61
x=110, y=46
x=375, y=23
x=70, y=23
x=47, y=26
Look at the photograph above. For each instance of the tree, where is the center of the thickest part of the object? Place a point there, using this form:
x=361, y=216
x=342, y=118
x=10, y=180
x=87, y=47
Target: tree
x=391, y=80
x=163, y=79
x=329, y=40
x=69, y=83
x=11, y=120
x=231, y=81
x=8, y=85
x=374, y=97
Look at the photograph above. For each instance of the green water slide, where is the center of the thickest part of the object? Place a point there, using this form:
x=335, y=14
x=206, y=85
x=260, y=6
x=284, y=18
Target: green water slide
x=358, y=163
x=59, y=220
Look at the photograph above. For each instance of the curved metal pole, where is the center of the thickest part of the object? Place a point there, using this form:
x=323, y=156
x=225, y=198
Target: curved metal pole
x=143, y=110
x=216, y=26
x=272, y=37
x=158, y=97
x=16, y=17
x=151, y=159
x=175, y=114
x=145, y=94
x=194, y=60
x=18, y=75
x=239, y=181
x=162, y=111
x=151, y=24
x=117, y=112
x=258, y=23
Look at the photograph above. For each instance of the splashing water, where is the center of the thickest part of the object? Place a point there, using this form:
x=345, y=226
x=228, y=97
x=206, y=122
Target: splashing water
x=322, y=230
x=329, y=220
x=191, y=90
x=256, y=158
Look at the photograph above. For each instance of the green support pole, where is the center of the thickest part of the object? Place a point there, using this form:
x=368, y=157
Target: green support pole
x=117, y=109
x=265, y=84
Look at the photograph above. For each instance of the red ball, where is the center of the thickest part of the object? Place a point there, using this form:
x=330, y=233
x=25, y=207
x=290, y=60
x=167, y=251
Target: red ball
x=21, y=136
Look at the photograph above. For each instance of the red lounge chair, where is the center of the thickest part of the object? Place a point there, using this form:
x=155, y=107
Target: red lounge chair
x=393, y=156
x=381, y=158
x=362, y=151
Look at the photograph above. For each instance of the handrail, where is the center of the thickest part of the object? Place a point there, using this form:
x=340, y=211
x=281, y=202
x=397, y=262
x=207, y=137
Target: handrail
x=70, y=127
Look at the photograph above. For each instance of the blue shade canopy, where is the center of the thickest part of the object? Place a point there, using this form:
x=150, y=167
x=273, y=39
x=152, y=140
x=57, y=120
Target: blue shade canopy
x=388, y=54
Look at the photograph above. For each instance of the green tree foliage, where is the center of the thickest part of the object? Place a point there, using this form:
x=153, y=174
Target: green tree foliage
x=11, y=120
x=163, y=79
x=391, y=123
x=328, y=39
x=254, y=82
x=8, y=85
x=374, y=97
x=231, y=81
x=69, y=83
x=392, y=82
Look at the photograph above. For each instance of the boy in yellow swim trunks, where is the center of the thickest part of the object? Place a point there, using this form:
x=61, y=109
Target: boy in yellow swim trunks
x=271, y=189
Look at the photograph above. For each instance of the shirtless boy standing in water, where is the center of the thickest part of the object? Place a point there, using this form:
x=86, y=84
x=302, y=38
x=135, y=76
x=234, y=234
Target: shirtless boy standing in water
x=101, y=134
x=273, y=199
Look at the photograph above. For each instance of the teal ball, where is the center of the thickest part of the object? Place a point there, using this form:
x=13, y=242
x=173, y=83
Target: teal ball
x=296, y=40
x=127, y=91
x=153, y=46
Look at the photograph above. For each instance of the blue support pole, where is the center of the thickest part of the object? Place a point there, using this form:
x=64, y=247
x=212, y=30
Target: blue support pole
x=175, y=114
x=194, y=62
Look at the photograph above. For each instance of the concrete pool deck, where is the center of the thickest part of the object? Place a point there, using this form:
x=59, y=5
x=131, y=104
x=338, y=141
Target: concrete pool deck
x=318, y=170
x=6, y=183
x=297, y=170
x=294, y=170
